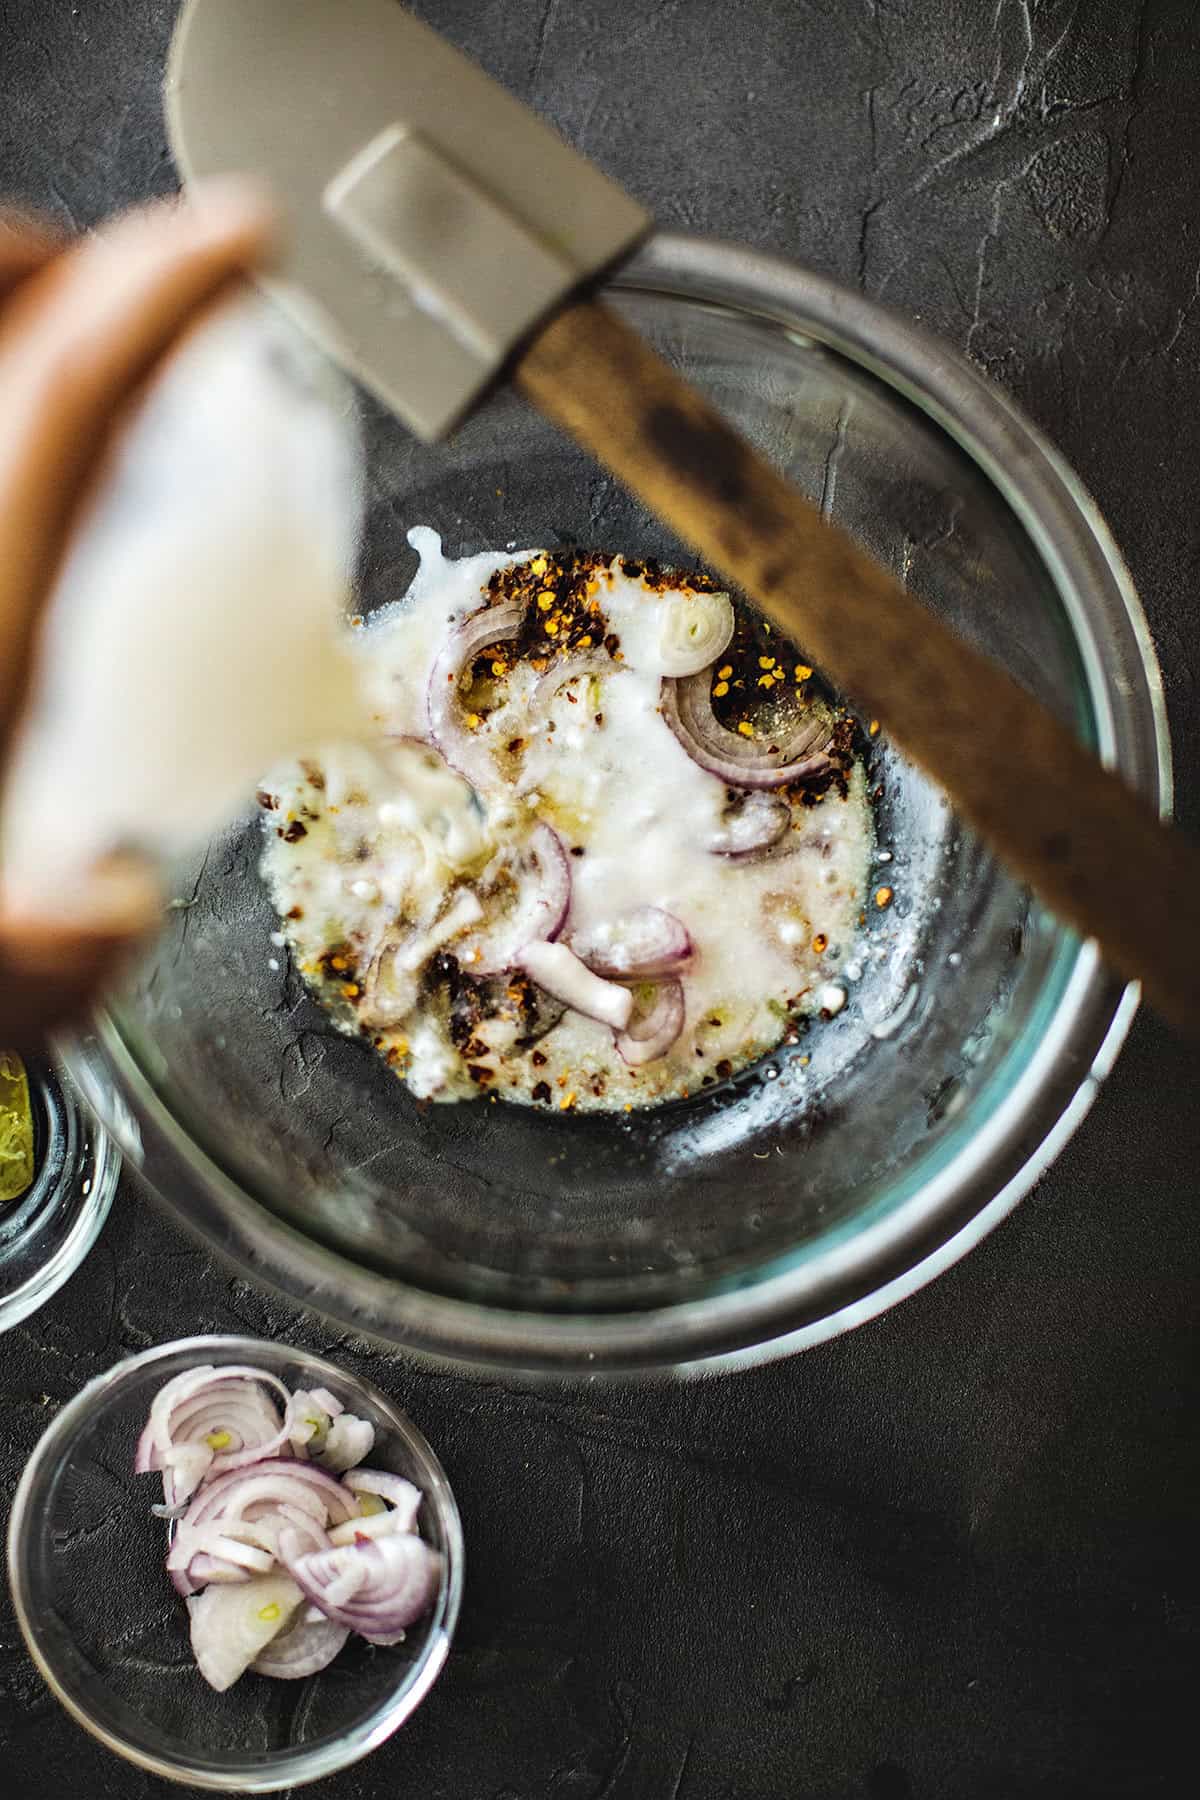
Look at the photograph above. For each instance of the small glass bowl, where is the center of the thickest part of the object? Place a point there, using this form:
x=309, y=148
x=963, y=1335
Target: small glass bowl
x=47, y=1232
x=109, y=1634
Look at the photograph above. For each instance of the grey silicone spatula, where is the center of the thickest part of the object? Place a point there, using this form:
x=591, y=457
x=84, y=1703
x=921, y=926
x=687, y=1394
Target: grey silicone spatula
x=440, y=237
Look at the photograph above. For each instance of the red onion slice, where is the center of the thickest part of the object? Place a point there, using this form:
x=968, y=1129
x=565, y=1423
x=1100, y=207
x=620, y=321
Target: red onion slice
x=310, y=1419
x=271, y=1520
x=403, y=1497
x=696, y=629
x=541, y=878
x=325, y=1400
x=652, y=1033
x=305, y=1648
x=294, y=1483
x=233, y=1625
x=244, y=1552
x=232, y=1543
x=350, y=1439
x=754, y=824
x=371, y=1525
x=569, y=669
x=227, y=1541
x=640, y=945
x=562, y=974
x=377, y=1589
x=389, y=988
x=208, y=1421
x=795, y=755
x=460, y=746
x=203, y=1570
x=183, y=1474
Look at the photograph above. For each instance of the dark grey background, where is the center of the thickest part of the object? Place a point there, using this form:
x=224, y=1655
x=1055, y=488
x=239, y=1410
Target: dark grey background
x=956, y=1553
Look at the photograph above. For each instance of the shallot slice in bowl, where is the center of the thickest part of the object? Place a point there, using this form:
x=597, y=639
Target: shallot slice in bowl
x=796, y=752
x=462, y=749
x=652, y=1031
x=643, y=944
x=377, y=1588
x=308, y=1645
x=538, y=884
x=751, y=825
x=230, y=1626
x=404, y=1497
x=208, y=1421
x=560, y=972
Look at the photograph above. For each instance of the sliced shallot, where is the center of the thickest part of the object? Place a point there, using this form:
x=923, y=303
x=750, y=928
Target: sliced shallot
x=307, y=1646
x=211, y=1540
x=233, y=1625
x=558, y=970
x=756, y=822
x=203, y=1571
x=796, y=754
x=461, y=747
x=651, y=1034
x=378, y=1588
x=696, y=628
x=371, y=1525
x=253, y=1507
x=350, y=1439
x=312, y=1414
x=402, y=1495
x=293, y=1482
x=640, y=945
x=389, y=988
x=566, y=671
x=207, y=1421
x=538, y=878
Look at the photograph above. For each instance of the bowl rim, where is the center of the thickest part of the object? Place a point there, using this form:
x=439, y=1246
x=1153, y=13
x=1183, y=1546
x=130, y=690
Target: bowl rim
x=292, y=1768
x=781, y=1310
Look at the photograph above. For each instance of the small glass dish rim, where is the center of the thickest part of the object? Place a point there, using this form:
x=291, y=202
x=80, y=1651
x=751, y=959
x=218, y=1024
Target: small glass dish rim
x=97, y=1149
x=292, y=1768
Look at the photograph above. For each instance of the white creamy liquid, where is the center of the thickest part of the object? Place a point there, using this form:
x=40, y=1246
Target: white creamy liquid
x=393, y=834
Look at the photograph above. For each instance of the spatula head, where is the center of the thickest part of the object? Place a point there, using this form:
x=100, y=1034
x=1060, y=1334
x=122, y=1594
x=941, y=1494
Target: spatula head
x=432, y=220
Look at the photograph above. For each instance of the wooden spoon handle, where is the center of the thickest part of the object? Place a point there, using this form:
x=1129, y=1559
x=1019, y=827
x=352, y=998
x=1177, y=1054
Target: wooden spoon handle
x=1093, y=850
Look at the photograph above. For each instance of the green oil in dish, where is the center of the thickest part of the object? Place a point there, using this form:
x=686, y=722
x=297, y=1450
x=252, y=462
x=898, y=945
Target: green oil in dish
x=16, y=1129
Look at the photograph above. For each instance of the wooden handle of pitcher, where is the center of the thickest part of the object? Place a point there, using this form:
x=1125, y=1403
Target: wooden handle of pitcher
x=1097, y=854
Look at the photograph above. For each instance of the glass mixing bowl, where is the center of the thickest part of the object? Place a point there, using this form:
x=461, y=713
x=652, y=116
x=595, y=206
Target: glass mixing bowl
x=816, y=1188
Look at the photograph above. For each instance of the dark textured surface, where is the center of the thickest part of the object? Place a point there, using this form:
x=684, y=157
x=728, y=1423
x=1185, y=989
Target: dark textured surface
x=954, y=1554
